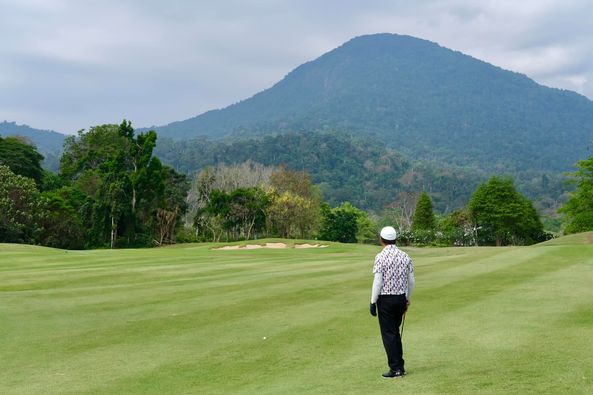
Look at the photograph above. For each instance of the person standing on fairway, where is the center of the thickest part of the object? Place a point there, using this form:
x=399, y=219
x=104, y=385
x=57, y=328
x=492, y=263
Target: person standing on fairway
x=392, y=288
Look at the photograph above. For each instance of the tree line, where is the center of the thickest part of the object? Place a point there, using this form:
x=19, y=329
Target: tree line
x=496, y=214
x=113, y=191
x=364, y=172
x=249, y=200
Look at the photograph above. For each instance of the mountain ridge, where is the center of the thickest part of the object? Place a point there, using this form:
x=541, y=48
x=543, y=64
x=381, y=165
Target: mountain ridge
x=418, y=96
x=46, y=141
x=424, y=100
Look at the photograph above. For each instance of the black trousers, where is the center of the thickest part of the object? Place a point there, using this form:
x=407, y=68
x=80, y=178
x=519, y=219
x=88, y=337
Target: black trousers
x=391, y=308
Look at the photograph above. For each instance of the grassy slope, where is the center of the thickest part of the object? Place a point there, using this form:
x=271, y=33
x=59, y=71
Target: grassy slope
x=188, y=319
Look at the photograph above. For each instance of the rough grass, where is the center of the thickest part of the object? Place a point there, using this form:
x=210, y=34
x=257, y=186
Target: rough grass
x=579, y=238
x=188, y=319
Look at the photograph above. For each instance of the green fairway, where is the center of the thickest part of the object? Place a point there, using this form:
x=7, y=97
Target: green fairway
x=189, y=319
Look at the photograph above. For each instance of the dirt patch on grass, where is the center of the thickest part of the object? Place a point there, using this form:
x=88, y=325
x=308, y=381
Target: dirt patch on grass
x=268, y=245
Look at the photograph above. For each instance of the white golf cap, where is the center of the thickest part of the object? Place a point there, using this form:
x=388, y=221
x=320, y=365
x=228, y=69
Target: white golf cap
x=388, y=233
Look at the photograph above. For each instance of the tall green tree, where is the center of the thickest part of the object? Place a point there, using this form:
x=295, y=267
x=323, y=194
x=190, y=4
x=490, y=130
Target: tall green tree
x=173, y=204
x=89, y=149
x=340, y=223
x=457, y=228
x=126, y=186
x=578, y=210
x=424, y=219
x=240, y=212
x=503, y=215
x=291, y=215
x=295, y=182
x=247, y=211
x=212, y=217
x=114, y=197
x=61, y=224
x=20, y=208
x=294, y=204
x=22, y=158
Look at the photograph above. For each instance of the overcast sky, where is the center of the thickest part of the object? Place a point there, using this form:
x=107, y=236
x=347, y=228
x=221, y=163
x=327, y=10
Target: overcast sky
x=68, y=65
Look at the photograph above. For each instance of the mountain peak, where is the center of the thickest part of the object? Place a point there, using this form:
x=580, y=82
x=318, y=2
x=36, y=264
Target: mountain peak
x=387, y=40
x=428, y=101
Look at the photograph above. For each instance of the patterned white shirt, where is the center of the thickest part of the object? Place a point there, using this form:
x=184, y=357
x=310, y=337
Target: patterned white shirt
x=396, y=269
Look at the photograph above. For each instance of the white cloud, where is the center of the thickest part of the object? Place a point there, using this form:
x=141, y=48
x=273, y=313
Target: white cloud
x=71, y=64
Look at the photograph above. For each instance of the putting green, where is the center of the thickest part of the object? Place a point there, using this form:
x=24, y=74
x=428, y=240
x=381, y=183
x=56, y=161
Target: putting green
x=190, y=319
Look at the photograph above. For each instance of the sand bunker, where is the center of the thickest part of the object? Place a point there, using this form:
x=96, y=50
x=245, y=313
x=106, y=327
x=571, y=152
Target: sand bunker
x=309, y=246
x=247, y=247
x=269, y=245
x=275, y=245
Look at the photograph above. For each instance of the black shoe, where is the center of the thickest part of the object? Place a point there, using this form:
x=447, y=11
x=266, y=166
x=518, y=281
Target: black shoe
x=393, y=374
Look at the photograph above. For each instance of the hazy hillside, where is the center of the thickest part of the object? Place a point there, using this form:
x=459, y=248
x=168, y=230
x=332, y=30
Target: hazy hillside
x=47, y=141
x=427, y=101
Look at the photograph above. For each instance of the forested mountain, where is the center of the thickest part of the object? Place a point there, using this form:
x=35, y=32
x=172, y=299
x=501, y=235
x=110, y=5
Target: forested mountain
x=426, y=101
x=423, y=117
x=364, y=172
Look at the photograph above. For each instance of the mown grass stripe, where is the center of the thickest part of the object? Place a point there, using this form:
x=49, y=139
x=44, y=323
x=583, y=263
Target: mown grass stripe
x=177, y=320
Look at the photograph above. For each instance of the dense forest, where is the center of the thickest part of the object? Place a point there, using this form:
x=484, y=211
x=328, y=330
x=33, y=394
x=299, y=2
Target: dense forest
x=110, y=191
x=113, y=191
x=366, y=173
